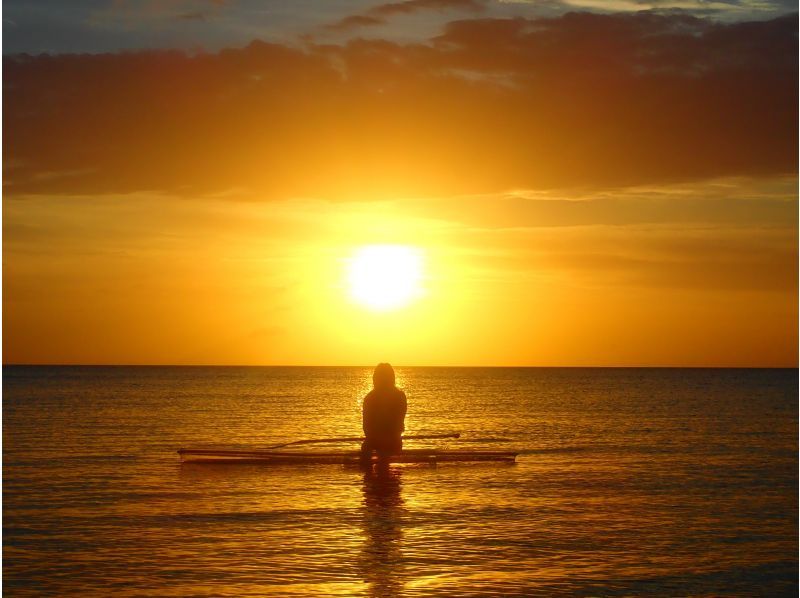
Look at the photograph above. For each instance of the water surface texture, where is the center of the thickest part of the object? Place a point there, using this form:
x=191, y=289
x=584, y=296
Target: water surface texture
x=630, y=482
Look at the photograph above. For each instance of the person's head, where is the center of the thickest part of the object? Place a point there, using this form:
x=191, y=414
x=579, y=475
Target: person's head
x=383, y=376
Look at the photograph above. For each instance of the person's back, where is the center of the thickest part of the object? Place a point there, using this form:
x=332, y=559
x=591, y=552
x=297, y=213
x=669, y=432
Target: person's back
x=384, y=412
x=384, y=415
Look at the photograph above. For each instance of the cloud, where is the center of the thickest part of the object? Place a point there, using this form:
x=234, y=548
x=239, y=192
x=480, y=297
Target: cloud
x=722, y=235
x=661, y=256
x=355, y=21
x=487, y=106
x=192, y=16
x=378, y=15
x=409, y=6
x=736, y=203
x=727, y=260
x=150, y=12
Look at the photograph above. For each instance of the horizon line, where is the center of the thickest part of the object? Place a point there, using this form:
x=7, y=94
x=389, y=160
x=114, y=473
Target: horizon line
x=232, y=365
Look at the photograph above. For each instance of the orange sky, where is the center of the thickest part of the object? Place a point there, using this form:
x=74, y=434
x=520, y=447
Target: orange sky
x=586, y=189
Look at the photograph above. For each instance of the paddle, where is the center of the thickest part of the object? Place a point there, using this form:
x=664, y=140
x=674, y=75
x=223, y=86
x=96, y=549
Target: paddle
x=360, y=439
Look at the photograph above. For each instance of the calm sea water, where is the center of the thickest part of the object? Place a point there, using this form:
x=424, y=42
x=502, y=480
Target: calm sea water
x=665, y=482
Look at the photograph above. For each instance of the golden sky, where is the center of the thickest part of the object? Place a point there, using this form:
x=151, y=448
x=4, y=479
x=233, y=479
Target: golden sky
x=575, y=189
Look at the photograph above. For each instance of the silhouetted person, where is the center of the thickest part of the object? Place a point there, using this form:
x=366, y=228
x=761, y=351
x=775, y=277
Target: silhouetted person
x=384, y=416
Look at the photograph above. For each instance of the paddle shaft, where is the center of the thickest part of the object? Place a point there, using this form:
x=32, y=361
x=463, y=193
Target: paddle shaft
x=361, y=438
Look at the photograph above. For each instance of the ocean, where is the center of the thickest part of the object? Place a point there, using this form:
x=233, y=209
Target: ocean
x=630, y=482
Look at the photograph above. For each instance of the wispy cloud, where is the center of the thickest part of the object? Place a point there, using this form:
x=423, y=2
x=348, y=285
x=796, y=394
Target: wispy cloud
x=150, y=12
x=378, y=15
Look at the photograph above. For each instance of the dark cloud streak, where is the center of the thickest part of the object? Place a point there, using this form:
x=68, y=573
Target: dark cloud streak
x=354, y=22
x=378, y=15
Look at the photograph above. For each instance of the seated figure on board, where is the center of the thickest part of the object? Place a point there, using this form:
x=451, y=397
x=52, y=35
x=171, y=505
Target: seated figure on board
x=383, y=415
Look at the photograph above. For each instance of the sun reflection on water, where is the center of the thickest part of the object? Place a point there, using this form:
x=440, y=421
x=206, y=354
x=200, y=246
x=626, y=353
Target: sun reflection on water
x=381, y=560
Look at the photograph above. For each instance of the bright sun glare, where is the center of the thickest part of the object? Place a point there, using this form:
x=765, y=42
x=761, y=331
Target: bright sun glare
x=385, y=277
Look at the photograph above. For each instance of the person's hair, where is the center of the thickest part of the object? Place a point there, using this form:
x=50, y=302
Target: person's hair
x=383, y=377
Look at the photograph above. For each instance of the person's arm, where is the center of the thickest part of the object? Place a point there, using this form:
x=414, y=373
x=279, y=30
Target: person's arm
x=402, y=410
x=366, y=414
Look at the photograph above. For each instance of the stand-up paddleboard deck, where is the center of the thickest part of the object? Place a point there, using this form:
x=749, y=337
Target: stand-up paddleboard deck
x=224, y=456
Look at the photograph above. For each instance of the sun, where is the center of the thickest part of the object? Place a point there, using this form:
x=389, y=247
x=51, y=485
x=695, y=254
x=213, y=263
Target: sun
x=385, y=277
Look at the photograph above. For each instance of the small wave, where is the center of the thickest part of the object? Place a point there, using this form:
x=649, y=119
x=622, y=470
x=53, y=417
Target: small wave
x=560, y=449
x=251, y=516
x=98, y=457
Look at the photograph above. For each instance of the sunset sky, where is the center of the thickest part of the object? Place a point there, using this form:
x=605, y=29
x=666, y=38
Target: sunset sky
x=544, y=183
